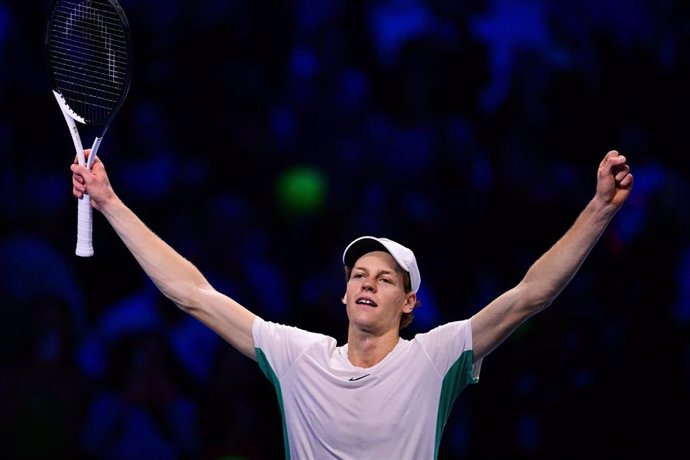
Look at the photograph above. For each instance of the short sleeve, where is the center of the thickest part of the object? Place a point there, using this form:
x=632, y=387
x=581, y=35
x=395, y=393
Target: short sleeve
x=447, y=343
x=281, y=345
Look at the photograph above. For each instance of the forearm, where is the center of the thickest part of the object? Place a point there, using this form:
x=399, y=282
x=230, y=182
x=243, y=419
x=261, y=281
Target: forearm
x=175, y=276
x=552, y=272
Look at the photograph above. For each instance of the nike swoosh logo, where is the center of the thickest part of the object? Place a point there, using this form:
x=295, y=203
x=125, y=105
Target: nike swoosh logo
x=354, y=379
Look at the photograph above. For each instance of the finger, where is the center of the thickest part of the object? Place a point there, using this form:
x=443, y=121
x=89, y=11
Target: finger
x=78, y=179
x=622, y=172
x=616, y=160
x=78, y=189
x=79, y=169
x=613, y=165
x=627, y=181
x=609, y=155
x=78, y=183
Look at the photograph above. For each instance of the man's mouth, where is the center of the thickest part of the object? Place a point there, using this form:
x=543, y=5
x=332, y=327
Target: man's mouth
x=364, y=301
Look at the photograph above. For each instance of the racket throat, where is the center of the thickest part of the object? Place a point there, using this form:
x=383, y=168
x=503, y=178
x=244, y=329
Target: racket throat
x=66, y=111
x=94, y=152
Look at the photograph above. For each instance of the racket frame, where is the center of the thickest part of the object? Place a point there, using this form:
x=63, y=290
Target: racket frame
x=84, y=246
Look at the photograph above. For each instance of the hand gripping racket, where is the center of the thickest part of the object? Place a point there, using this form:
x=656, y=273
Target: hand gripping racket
x=88, y=53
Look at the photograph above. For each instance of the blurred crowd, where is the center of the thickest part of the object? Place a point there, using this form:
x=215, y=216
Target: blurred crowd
x=260, y=138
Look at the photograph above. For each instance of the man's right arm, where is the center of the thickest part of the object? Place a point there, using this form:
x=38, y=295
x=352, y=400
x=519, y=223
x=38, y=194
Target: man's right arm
x=176, y=277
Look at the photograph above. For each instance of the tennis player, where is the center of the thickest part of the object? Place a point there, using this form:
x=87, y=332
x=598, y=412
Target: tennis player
x=377, y=396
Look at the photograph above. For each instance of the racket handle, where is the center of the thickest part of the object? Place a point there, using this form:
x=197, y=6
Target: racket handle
x=84, y=227
x=85, y=212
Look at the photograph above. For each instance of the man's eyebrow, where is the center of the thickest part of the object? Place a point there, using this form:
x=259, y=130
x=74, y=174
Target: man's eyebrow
x=384, y=271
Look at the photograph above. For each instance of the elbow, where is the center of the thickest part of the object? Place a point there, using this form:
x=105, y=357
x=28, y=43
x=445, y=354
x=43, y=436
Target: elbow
x=536, y=297
x=187, y=296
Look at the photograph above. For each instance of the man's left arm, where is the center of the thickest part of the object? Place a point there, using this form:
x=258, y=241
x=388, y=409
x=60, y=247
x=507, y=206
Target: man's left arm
x=552, y=272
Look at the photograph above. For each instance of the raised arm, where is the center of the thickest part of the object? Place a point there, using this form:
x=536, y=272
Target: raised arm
x=176, y=277
x=550, y=274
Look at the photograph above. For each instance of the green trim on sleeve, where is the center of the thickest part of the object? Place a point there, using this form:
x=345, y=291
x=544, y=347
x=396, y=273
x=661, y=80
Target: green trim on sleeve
x=266, y=368
x=457, y=378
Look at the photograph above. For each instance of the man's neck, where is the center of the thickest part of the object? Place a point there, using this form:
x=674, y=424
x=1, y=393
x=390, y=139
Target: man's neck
x=367, y=350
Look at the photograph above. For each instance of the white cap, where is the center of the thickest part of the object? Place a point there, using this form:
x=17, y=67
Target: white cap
x=401, y=254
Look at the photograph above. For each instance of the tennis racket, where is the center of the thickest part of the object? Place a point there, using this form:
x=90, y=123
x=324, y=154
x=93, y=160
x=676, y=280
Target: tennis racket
x=88, y=52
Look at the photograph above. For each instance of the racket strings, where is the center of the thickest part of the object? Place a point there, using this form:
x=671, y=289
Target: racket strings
x=88, y=57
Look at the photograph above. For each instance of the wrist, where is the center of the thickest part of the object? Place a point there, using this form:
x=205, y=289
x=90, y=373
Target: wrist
x=109, y=204
x=601, y=208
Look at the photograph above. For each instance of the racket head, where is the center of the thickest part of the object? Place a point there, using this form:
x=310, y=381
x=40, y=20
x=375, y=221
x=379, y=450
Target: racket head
x=88, y=54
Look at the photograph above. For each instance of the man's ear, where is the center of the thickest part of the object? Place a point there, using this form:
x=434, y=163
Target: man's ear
x=410, y=302
x=343, y=299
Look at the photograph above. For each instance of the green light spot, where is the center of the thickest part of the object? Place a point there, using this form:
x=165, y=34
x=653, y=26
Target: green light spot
x=301, y=190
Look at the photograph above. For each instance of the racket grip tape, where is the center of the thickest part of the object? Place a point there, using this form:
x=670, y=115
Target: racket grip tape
x=84, y=227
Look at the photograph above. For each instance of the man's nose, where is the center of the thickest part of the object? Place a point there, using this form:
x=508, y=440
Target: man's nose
x=369, y=284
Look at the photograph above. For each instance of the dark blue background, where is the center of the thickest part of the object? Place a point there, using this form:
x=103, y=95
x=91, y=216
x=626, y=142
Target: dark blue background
x=468, y=130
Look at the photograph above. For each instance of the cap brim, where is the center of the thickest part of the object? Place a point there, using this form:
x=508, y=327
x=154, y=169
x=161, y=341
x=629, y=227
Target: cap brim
x=359, y=247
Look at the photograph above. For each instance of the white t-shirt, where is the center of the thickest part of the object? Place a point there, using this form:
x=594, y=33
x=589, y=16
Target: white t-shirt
x=396, y=409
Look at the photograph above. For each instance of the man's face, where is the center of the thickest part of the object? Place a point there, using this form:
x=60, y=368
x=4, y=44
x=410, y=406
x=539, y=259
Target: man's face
x=375, y=296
